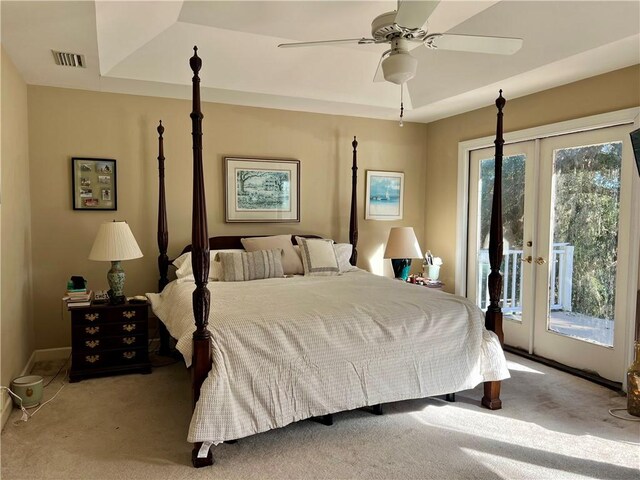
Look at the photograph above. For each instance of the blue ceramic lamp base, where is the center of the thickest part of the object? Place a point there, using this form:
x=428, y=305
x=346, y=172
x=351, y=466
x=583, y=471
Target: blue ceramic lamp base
x=401, y=267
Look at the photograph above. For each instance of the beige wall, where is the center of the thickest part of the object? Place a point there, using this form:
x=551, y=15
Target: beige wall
x=65, y=123
x=16, y=327
x=605, y=93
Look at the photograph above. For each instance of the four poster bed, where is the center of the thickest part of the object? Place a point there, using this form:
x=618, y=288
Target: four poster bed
x=270, y=352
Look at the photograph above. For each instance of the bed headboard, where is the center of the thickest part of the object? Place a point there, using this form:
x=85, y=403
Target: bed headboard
x=234, y=241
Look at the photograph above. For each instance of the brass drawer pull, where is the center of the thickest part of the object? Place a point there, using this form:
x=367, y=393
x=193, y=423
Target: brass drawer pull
x=92, y=330
x=92, y=343
x=92, y=358
x=129, y=314
x=91, y=316
x=129, y=327
x=128, y=340
x=129, y=355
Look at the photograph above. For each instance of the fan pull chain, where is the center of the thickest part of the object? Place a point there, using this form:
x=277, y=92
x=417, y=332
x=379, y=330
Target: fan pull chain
x=401, y=105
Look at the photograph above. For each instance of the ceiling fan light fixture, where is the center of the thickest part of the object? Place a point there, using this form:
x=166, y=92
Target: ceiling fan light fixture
x=399, y=68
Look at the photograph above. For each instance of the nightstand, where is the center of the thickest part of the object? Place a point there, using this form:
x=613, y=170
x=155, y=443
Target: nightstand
x=108, y=340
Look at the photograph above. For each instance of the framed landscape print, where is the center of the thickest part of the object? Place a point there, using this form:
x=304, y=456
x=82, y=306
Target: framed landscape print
x=262, y=190
x=385, y=191
x=93, y=183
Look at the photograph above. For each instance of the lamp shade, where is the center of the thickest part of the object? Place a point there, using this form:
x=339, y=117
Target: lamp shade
x=114, y=242
x=402, y=243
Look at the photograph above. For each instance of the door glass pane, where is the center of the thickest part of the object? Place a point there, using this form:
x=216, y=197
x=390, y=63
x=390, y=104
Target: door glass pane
x=582, y=265
x=513, y=169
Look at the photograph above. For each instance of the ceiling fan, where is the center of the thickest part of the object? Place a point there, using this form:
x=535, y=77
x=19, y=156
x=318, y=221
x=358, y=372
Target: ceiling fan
x=405, y=27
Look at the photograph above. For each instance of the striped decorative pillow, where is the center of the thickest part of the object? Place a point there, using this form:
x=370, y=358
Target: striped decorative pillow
x=243, y=266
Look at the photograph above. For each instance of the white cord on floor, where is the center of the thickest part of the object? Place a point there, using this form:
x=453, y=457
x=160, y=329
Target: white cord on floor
x=611, y=410
x=25, y=414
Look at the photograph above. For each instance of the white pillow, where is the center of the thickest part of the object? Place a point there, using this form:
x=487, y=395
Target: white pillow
x=343, y=252
x=181, y=259
x=184, y=272
x=318, y=257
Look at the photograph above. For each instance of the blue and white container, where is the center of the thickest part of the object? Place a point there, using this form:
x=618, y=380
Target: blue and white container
x=29, y=389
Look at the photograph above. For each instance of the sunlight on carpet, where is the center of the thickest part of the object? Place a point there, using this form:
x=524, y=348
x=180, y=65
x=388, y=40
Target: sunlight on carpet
x=552, y=426
x=518, y=367
x=509, y=468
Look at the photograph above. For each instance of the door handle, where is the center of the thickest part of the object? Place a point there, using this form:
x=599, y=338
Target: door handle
x=528, y=259
x=540, y=261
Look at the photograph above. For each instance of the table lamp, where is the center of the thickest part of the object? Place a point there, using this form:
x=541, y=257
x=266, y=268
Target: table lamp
x=114, y=243
x=402, y=246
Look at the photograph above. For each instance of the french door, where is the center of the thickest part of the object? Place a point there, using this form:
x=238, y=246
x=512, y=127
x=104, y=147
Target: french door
x=567, y=220
x=517, y=233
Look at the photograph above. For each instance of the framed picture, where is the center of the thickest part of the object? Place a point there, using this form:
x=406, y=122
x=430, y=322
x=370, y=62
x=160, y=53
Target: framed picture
x=93, y=183
x=385, y=192
x=261, y=190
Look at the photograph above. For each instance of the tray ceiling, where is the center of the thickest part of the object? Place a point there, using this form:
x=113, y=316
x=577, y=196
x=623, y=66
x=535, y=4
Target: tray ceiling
x=142, y=47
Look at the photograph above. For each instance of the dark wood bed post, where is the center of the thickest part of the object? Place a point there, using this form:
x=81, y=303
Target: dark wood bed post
x=493, y=317
x=201, y=362
x=353, y=220
x=163, y=232
x=163, y=239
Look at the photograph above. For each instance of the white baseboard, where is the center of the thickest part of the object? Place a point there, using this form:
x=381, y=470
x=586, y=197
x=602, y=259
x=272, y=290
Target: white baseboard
x=43, y=355
x=6, y=409
x=7, y=404
x=47, y=354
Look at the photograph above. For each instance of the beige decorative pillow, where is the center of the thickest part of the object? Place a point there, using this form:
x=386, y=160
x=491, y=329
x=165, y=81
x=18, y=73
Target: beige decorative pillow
x=184, y=273
x=343, y=252
x=243, y=266
x=318, y=256
x=291, y=262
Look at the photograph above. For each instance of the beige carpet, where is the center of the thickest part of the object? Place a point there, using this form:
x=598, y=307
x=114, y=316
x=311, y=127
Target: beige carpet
x=552, y=426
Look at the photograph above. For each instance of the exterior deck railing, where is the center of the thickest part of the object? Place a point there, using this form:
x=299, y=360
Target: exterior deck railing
x=560, y=275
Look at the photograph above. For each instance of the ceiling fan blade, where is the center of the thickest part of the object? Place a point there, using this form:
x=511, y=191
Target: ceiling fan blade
x=474, y=43
x=379, y=75
x=360, y=41
x=414, y=13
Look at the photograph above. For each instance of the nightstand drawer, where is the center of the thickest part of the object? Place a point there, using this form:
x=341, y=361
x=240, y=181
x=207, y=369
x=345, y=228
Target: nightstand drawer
x=87, y=332
x=108, y=358
x=99, y=343
x=88, y=316
x=130, y=314
x=100, y=315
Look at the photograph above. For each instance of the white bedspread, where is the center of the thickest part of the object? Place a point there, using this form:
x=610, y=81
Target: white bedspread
x=292, y=348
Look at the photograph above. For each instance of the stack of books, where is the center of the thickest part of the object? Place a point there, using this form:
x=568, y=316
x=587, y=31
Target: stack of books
x=78, y=297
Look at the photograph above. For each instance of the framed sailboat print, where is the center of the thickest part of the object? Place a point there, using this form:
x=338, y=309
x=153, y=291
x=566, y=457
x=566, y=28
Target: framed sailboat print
x=385, y=191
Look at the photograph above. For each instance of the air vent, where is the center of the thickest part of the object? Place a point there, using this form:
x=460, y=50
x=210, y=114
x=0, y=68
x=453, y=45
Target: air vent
x=69, y=59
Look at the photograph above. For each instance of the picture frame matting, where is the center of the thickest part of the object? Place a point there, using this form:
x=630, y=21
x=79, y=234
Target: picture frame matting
x=261, y=190
x=384, y=198
x=94, y=184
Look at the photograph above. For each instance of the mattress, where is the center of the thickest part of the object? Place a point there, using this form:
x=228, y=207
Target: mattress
x=286, y=349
